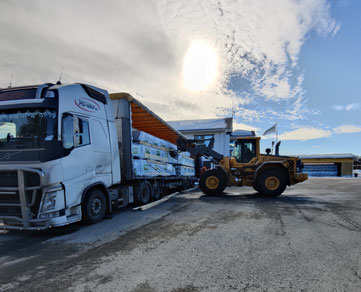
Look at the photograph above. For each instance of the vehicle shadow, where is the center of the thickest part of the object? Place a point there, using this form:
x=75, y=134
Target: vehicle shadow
x=257, y=198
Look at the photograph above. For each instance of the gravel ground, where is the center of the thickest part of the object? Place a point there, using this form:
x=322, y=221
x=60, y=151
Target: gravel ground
x=308, y=239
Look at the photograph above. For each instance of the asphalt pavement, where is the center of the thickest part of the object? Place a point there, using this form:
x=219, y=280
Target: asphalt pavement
x=308, y=239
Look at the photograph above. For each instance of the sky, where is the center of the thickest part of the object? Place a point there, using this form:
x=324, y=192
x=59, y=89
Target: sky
x=291, y=62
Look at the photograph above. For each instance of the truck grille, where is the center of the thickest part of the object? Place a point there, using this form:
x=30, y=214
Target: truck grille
x=10, y=211
x=20, y=195
x=8, y=179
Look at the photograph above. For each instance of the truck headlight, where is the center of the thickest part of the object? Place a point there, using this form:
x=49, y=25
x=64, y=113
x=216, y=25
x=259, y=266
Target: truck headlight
x=49, y=202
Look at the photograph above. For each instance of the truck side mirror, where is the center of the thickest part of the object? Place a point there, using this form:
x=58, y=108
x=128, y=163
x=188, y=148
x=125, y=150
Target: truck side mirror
x=67, y=131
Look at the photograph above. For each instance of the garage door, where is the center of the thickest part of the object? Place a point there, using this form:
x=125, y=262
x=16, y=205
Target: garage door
x=321, y=169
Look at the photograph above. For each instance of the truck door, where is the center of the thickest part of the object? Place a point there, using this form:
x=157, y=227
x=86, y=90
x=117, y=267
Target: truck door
x=78, y=164
x=101, y=143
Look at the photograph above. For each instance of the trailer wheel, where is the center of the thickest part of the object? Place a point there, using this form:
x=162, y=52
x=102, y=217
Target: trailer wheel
x=271, y=182
x=143, y=192
x=94, y=206
x=212, y=182
x=157, y=191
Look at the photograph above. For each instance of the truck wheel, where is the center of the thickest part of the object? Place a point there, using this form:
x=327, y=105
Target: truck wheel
x=271, y=183
x=143, y=192
x=212, y=182
x=94, y=206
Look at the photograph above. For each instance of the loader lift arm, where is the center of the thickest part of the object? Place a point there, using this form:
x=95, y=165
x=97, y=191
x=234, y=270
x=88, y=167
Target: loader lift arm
x=197, y=150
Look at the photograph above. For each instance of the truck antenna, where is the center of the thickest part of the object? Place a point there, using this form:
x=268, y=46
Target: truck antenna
x=11, y=80
x=61, y=75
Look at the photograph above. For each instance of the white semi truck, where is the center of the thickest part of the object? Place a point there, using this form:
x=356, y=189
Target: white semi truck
x=66, y=155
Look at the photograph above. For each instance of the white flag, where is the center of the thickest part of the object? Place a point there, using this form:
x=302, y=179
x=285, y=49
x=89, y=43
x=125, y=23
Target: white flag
x=270, y=130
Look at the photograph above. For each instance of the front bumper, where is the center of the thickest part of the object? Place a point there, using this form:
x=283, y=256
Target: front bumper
x=37, y=224
x=298, y=177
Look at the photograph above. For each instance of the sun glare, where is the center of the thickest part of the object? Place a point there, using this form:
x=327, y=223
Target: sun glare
x=199, y=67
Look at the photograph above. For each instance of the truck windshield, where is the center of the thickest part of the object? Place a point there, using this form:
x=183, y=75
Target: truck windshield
x=27, y=129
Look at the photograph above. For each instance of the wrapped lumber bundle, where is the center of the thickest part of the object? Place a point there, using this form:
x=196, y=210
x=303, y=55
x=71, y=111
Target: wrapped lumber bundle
x=182, y=170
x=151, y=155
x=184, y=159
x=142, y=167
x=143, y=151
x=149, y=140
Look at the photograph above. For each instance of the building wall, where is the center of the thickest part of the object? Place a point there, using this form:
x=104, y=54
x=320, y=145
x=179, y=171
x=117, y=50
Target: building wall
x=346, y=169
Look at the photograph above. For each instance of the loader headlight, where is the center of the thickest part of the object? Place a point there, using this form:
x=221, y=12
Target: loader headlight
x=49, y=201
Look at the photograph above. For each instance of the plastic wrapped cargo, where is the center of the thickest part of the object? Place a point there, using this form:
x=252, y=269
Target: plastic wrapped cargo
x=143, y=167
x=184, y=160
x=149, y=140
x=184, y=170
x=143, y=151
x=171, y=146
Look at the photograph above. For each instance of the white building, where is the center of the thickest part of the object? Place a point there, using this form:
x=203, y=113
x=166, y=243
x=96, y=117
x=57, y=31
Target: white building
x=220, y=129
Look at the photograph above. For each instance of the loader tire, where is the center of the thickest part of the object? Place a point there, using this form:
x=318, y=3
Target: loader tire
x=271, y=183
x=213, y=182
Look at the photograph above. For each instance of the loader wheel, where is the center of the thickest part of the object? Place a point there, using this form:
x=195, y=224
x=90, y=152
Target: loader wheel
x=94, y=206
x=213, y=182
x=271, y=183
x=143, y=193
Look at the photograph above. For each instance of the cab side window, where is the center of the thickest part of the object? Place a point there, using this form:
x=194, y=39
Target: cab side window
x=75, y=131
x=83, y=132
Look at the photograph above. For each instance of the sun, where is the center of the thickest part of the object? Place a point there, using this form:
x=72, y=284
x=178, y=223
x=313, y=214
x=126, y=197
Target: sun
x=199, y=66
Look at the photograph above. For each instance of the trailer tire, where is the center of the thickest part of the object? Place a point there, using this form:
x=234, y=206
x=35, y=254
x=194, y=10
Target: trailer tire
x=271, y=182
x=212, y=182
x=143, y=191
x=157, y=191
x=94, y=206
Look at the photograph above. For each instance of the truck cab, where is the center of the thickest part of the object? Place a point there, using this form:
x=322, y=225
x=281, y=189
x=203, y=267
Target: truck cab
x=56, y=143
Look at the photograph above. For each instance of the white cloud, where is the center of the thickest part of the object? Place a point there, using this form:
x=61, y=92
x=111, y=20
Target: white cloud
x=352, y=106
x=139, y=47
x=305, y=133
x=241, y=126
x=343, y=129
x=348, y=107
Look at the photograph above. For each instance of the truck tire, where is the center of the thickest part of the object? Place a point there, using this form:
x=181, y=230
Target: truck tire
x=271, y=182
x=213, y=182
x=143, y=192
x=94, y=206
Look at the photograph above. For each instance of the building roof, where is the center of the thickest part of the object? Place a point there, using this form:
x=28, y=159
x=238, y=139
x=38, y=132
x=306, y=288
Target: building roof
x=326, y=156
x=202, y=125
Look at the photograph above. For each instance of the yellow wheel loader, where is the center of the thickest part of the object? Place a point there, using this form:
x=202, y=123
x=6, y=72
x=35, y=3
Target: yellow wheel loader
x=267, y=174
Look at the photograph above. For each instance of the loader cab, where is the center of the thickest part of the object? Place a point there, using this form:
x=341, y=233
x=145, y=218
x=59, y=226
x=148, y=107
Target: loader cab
x=246, y=148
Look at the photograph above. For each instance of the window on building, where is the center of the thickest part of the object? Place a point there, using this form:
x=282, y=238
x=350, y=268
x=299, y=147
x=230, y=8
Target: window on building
x=203, y=139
